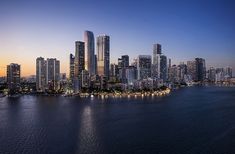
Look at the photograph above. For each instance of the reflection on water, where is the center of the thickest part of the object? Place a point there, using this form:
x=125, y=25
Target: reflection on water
x=87, y=135
x=189, y=120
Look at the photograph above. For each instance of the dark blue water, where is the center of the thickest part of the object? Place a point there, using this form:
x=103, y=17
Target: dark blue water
x=189, y=120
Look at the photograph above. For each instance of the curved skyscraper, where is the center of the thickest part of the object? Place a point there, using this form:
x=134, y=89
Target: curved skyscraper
x=89, y=52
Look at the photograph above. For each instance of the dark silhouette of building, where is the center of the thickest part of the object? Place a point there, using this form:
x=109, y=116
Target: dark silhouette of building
x=163, y=68
x=71, y=67
x=200, y=69
x=79, y=59
x=13, y=76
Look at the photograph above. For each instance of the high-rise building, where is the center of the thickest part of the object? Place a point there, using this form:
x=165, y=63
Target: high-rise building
x=52, y=73
x=157, y=51
x=114, y=71
x=40, y=74
x=191, y=69
x=130, y=75
x=200, y=69
x=163, y=68
x=96, y=65
x=144, y=66
x=85, y=80
x=47, y=74
x=229, y=72
x=168, y=69
x=219, y=76
x=123, y=63
x=173, y=77
x=134, y=62
x=119, y=62
x=169, y=63
x=181, y=71
x=211, y=74
x=103, y=55
x=89, y=52
x=13, y=76
x=79, y=60
x=71, y=67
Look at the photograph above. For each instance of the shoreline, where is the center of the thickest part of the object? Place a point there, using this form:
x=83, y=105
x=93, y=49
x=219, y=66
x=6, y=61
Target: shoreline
x=115, y=94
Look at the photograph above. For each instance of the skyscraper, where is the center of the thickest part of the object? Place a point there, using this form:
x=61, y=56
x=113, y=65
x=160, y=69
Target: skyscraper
x=169, y=63
x=85, y=80
x=52, y=73
x=181, y=71
x=191, y=69
x=13, y=76
x=163, y=68
x=144, y=67
x=211, y=74
x=40, y=74
x=79, y=60
x=89, y=52
x=130, y=75
x=71, y=67
x=169, y=68
x=114, y=71
x=123, y=63
x=219, y=76
x=157, y=51
x=103, y=55
x=173, y=71
x=96, y=65
x=229, y=72
x=47, y=74
x=200, y=69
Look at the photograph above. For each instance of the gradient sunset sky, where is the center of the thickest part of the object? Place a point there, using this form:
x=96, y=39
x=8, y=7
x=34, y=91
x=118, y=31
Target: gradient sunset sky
x=186, y=29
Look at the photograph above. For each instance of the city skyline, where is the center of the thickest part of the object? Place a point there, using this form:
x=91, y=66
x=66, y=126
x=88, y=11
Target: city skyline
x=185, y=30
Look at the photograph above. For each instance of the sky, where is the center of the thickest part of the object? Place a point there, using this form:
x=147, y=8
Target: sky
x=186, y=29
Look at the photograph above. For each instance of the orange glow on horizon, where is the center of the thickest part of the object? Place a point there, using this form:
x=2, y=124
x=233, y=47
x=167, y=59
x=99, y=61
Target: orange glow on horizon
x=27, y=67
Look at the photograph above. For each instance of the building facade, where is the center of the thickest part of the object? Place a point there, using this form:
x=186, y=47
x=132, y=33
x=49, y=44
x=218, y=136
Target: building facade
x=40, y=74
x=229, y=72
x=130, y=75
x=144, y=66
x=123, y=63
x=191, y=69
x=47, y=74
x=211, y=74
x=157, y=51
x=13, y=76
x=163, y=68
x=200, y=69
x=79, y=60
x=71, y=67
x=89, y=52
x=103, y=55
x=52, y=73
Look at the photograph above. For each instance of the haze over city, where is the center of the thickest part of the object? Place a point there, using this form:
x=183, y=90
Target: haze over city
x=186, y=29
